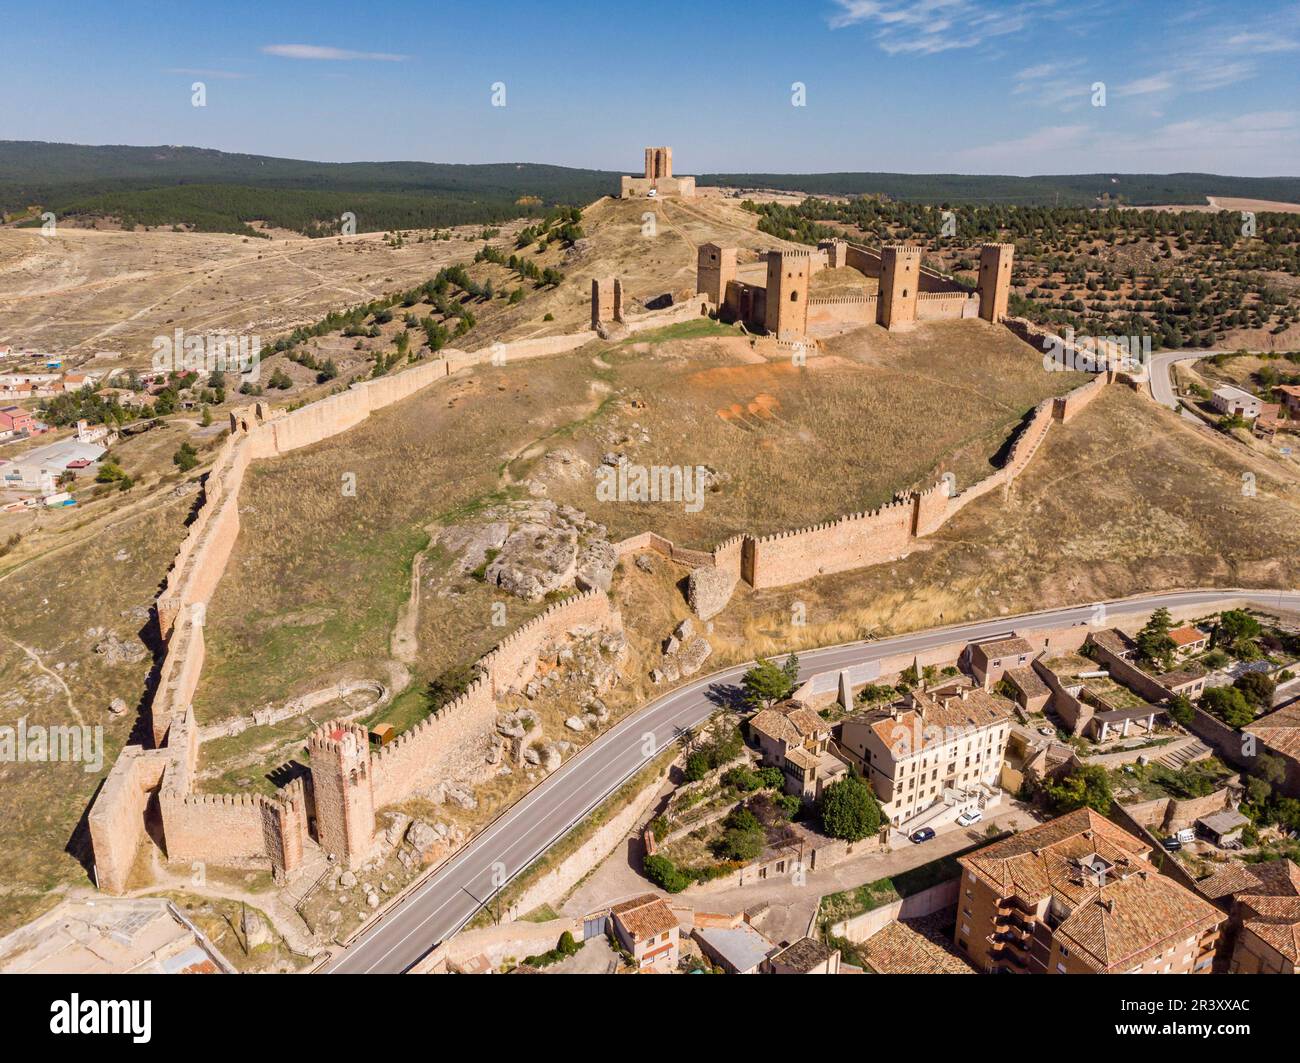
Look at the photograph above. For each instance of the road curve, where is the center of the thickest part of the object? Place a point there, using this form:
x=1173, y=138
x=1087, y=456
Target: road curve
x=449, y=898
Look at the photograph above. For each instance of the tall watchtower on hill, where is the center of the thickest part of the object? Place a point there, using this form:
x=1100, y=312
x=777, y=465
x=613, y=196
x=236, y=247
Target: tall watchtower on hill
x=995, y=280
x=786, y=308
x=345, y=805
x=900, y=277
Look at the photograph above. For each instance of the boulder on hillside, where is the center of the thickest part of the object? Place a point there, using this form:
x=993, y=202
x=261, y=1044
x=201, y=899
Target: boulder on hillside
x=708, y=591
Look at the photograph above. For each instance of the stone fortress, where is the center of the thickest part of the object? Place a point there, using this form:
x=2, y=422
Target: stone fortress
x=334, y=803
x=658, y=180
x=780, y=292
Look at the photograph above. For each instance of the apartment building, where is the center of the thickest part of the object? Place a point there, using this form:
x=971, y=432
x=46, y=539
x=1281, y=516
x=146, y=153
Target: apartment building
x=929, y=745
x=1080, y=895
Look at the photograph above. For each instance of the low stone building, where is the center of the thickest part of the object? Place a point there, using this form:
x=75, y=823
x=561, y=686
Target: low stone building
x=806, y=956
x=648, y=929
x=989, y=661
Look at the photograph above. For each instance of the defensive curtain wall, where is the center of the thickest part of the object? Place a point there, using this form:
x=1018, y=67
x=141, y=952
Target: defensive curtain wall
x=857, y=540
x=347, y=782
x=253, y=829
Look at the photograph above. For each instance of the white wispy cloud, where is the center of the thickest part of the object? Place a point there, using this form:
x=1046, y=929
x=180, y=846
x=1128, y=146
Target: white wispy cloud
x=928, y=27
x=1269, y=139
x=316, y=51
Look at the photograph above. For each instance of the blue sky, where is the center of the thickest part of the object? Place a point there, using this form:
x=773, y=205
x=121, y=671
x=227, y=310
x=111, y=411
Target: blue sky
x=971, y=86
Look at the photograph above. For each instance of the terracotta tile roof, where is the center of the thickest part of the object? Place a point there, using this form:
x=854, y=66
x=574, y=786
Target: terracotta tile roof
x=804, y=955
x=902, y=948
x=1289, y=389
x=1185, y=636
x=1279, y=731
x=1275, y=920
x=790, y=723
x=1012, y=647
x=1029, y=682
x=935, y=721
x=645, y=917
x=1228, y=880
x=1114, y=640
x=1131, y=921
x=1278, y=878
x=1116, y=924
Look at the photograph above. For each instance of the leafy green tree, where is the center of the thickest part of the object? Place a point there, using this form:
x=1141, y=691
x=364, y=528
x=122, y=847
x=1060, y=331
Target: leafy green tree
x=186, y=457
x=765, y=684
x=697, y=766
x=1088, y=786
x=1235, y=625
x=664, y=874
x=1181, y=711
x=848, y=809
x=1154, y=645
x=1257, y=688
x=1229, y=704
x=450, y=685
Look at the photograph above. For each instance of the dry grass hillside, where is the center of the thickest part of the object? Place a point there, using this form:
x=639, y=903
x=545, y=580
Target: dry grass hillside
x=83, y=290
x=1124, y=499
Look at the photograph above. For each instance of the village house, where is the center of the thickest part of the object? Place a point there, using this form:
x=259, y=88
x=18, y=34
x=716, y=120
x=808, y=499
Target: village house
x=736, y=946
x=647, y=928
x=941, y=747
x=806, y=956
x=1079, y=895
x=1190, y=640
x=1262, y=935
x=17, y=420
x=1279, y=733
x=794, y=738
x=1233, y=402
x=989, y=661
x=1289, y=394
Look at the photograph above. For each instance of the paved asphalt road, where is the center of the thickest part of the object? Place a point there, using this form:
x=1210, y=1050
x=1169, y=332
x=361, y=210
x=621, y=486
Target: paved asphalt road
x=445, y=902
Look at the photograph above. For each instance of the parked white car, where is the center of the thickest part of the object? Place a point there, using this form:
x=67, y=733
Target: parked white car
x=970, y=817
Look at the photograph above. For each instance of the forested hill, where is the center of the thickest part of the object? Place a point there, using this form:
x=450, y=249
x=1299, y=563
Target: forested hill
x=218, y=191
x=1066, y=190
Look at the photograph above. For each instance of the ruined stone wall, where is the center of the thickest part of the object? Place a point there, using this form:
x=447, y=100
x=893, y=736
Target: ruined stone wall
x=1070, y=405
x=116, y=820
x=946, y=306
x=514, y=661
x=827, y=310
x=853, y=541
x=438, y=747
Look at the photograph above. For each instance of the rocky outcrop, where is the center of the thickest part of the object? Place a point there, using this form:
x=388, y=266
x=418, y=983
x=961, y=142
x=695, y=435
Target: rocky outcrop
x=708, y=590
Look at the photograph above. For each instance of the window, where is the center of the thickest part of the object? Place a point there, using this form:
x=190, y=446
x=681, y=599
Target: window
x=794, y=297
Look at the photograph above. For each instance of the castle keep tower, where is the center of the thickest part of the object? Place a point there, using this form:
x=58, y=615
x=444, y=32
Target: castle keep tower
x=715, y=268
x=786, y=310
x=995, y=280
x=606, y=301
x=658, y=163
x=340, y=776
x=900, y=277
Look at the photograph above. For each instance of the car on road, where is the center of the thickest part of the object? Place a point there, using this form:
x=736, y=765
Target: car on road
x=922, y=835
x=1049, y=731
x=970, y=817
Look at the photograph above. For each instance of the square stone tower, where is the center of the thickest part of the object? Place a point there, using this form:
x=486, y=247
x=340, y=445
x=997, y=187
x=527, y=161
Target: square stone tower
x=658, y=163
x=340, y=778
x=900, y=277
x=786, y=306
x=836, y=252
x=606, y=301
x=995, y=280
x=715, y=268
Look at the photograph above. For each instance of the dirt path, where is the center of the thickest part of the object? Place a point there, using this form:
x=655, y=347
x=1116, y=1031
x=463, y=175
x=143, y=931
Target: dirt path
x=36, y=660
